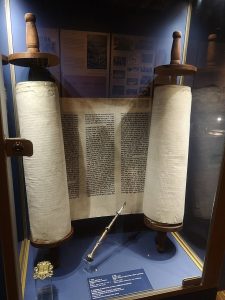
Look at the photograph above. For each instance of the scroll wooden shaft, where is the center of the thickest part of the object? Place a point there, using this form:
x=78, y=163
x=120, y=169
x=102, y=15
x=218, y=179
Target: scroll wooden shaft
x=32, y=40
x=176, y=48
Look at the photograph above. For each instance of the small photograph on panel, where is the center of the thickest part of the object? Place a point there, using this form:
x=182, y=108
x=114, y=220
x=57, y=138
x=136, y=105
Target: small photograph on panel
x=132, y=81
x=131, y=92
x=96, y=51
x=118, y=90
x=119, y=74
x=119, y=61
x=147, y=58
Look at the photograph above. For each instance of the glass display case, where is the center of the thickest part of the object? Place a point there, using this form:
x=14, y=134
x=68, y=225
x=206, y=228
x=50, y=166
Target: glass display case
x=112, y=145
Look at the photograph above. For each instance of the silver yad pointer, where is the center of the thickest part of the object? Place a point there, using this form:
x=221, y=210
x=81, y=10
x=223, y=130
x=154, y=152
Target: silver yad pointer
x=90, y=256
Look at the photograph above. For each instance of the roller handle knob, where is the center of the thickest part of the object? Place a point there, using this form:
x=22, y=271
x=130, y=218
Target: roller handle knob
x=32, y=40
x=176, y=48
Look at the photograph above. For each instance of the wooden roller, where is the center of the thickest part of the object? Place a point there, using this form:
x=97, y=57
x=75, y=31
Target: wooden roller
x=174, y=69
x=33, y=57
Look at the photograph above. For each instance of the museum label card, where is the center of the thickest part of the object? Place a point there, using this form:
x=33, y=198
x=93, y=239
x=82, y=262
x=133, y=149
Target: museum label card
x=118, y=284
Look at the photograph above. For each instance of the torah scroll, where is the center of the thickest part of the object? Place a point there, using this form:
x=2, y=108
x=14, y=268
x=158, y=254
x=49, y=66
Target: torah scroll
x=45, y=172
x=165, y=180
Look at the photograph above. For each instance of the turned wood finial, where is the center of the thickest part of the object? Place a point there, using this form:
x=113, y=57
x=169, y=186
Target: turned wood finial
x=175, y=68
x=32, y=57
x=211, y=52
x=32, y=40
x=176, y=48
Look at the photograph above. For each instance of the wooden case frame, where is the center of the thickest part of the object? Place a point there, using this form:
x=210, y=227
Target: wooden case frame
x=212, y=265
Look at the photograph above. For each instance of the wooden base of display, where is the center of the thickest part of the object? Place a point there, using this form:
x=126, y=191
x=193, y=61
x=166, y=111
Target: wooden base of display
x=161, y=229
x=40, y=243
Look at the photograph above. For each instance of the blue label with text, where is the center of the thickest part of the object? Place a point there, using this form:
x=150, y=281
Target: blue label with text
x=118, y=284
